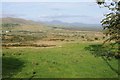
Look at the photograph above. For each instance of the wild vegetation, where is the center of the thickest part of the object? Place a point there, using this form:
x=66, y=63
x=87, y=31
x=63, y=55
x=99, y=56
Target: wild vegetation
x=38, y=51
x=111, y=22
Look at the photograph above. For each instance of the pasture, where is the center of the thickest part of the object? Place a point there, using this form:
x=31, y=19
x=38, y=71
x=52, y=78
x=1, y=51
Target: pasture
x=70, y=60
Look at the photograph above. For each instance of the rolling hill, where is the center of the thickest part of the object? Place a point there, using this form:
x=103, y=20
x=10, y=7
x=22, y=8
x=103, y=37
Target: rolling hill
x=73, y=26
x=26, y=25
x=39, y=25
x=18, y=21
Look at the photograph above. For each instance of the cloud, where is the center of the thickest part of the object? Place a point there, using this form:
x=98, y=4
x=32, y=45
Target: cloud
x=48, y=0
x=72, y=18
x=56, y=9
x=11, y=15
x=64, y=16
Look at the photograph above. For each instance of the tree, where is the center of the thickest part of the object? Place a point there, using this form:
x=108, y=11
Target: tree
x=111, y=22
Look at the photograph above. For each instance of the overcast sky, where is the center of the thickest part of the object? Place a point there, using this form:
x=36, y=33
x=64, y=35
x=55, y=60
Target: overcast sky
x=83, y=12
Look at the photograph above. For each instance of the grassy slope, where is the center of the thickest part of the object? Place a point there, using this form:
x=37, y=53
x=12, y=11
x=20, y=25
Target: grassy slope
x=25, y=25
x=71, y=60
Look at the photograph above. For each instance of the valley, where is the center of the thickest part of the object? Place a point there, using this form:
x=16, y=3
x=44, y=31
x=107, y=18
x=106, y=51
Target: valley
x=35, y=50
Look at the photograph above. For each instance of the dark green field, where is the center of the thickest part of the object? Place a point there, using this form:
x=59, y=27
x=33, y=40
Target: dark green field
x=71, y=60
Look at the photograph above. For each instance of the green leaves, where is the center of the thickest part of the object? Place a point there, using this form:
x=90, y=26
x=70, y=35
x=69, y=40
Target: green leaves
x=100, y=2
x=111, y=22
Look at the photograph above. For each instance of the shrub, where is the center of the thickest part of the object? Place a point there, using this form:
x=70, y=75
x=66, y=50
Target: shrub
x=96, y=38
x=82, y=37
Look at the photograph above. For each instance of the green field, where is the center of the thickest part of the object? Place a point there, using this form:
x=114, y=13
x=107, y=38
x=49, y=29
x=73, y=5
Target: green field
x=71, y=60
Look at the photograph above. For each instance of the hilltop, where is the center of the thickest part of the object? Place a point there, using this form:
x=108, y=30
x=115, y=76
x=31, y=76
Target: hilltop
x=18, y=21
x=26, y=25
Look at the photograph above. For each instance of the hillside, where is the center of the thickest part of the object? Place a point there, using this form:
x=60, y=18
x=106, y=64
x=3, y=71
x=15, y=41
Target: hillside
x=18, y=21
x=38, y=26
x=26, y=25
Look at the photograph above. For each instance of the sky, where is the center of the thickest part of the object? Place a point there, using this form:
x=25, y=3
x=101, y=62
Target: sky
x=81, y=12
x=48, y=0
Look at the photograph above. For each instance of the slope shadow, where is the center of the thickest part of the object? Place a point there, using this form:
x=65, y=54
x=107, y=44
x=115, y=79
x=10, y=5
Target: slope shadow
x=98, y=50
x=11, y=66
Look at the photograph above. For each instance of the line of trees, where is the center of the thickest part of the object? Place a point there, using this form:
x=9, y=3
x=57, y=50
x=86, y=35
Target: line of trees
x=10, y=24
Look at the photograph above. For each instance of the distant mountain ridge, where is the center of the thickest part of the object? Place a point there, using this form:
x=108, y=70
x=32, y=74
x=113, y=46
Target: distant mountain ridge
x=73, y=26
x=54, y=24
x=76, y=24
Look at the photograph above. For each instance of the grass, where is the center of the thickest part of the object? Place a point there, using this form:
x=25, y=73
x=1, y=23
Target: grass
x=69, y=61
